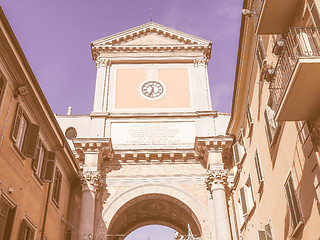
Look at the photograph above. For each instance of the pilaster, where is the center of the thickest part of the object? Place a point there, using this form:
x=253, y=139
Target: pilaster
x=102, y=80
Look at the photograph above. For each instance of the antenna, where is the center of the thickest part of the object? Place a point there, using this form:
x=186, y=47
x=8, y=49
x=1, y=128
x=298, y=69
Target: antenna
x=150, y=14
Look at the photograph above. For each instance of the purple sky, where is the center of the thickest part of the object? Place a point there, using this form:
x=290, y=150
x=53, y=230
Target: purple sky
x=55, y=37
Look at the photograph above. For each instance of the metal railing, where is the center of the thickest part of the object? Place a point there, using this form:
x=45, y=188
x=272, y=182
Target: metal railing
x=300, y=43
x=256, y=9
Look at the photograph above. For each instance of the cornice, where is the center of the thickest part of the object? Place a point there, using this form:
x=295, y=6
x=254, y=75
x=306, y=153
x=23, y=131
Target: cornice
x=214, y=143
x=185, y=42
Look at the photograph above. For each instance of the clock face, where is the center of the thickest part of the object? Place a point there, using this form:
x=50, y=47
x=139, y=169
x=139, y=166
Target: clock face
x=152, y=89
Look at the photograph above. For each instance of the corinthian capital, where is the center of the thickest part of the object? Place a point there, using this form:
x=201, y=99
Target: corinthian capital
x=200, y=61
x=92, y=179
x=216, y=177
x=102, y=62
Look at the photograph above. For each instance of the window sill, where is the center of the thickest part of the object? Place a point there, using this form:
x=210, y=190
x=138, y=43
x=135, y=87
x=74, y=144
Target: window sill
x=298, y=228
x=37, y=180
x=17, y=151
x=247, y=217
x=261, y=186
x=55, y=204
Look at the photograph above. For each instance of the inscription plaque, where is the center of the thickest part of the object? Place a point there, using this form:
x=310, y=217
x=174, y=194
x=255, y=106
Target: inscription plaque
x=153, y=133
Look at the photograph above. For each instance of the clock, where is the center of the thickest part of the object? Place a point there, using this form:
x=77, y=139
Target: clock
x=152, y=89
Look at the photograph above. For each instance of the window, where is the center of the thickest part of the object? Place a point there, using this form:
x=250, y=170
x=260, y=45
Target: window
x=25, y=134
x=293, y=203
x=43, y=163
x=7, y=212
x=266, y=233
x=258, y=169
x=2, y=88
x=38, y=161
x=27, y=230
x=246, y=201
x=249, y=116
x=239, y=150
x=57, y=186
x=316, y=184
x=261, y=55
x=271, y=125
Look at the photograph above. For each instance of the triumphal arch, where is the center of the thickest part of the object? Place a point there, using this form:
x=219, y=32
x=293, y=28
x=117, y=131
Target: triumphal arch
x=152, y=150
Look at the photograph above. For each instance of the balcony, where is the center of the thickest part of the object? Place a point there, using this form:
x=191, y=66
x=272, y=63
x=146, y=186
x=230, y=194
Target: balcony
x=273, y=16
x=295, y=89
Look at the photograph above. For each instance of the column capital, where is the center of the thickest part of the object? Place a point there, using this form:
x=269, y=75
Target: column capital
x=91, y=180
x=216, y=178
x=200, y=61
x=102, y=62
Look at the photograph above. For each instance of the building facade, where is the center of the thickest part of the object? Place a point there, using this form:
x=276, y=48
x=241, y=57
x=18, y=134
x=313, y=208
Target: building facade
x=38, y=172
x=146, y=147
x=153, y=151
x=275, y=120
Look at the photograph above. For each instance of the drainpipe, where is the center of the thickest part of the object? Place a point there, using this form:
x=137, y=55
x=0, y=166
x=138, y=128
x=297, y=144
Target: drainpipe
x=45, y=213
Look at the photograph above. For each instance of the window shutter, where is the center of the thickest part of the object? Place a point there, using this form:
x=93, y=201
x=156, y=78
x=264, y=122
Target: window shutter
x=243, y=201
x=16, y=124
x=48, y=169
x=238, y=152
x=268, y=232
x=23, y=230
x=258, y=167
x=262, y=235
x=270, y=123
x=292, y=202
x=2, y=87
x=31, y=140
x=249, y=115
x=36, y=159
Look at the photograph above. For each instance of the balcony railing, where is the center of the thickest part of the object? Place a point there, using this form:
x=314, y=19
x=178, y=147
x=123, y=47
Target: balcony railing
x=256, y=9
x=300, y=43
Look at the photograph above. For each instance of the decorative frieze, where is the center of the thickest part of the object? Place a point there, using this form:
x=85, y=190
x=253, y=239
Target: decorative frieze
x=216, y=143
x=216, y=177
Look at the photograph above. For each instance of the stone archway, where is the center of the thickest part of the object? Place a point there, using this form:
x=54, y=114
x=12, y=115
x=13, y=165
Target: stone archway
x=153, y=204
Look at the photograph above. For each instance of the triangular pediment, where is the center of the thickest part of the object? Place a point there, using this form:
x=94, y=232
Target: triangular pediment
x=150, y=34
x=151, y=39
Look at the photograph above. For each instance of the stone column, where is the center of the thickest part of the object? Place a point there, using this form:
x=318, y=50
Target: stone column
x=216, y=184
x=91, y=183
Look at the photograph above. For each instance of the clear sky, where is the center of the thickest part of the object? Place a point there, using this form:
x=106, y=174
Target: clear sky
x=55, y=37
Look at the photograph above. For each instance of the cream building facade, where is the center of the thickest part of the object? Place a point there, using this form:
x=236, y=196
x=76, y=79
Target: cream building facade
x=275, y=121
x=146, y=147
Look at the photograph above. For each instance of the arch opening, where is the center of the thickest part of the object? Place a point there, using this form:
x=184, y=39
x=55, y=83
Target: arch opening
x=154, y=232
x=153, y=209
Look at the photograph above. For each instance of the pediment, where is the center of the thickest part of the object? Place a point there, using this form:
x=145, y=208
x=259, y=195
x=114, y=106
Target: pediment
x=150, y=34
x=151, y=39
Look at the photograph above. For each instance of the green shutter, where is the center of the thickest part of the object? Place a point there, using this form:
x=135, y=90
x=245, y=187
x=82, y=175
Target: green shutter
x=31, y=140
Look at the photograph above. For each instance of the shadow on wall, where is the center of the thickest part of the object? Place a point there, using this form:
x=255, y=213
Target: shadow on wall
x=305, y=168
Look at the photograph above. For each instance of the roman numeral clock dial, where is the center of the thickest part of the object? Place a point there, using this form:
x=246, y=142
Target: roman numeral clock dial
x=152, y=89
